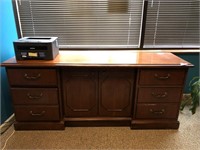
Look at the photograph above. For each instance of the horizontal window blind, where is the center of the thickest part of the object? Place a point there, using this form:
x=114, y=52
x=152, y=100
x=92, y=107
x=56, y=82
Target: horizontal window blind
x=83, y=23
x=173, y=24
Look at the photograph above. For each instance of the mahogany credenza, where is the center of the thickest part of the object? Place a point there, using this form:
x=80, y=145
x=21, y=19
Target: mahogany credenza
x=142, y=90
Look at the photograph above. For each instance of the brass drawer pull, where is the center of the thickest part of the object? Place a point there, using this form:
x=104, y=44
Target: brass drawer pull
x=37, y=114
x=162, y=77
x=34, y=96
x=26, y=76
x=78, y=110
x=83, y=75
x=119, y=110
x=159, y=95
x=161, y=112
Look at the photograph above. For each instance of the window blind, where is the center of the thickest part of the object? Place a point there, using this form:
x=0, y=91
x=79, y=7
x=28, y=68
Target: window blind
x=83, y=23
x=172, y=24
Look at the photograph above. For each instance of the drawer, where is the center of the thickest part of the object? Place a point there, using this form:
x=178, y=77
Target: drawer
x=162, y=76
x=39, y=77
x=37, y=113
x=160, y=111
x=159, y=94
x=34, y=95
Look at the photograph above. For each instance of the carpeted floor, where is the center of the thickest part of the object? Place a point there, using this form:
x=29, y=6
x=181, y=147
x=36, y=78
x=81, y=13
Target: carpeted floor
x=187, y=137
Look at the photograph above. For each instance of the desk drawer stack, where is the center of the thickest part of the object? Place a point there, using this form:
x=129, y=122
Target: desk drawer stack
x=158, y=97
x=35, y=97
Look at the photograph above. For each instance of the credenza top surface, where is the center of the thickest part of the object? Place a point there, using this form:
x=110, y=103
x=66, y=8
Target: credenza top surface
x=104, y=58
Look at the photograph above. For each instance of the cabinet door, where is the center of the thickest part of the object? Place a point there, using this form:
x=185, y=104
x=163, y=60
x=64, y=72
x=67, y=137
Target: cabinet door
x=115, y=93
x=80, y=93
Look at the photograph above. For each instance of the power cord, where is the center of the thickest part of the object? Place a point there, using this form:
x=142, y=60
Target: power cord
x=7, y=140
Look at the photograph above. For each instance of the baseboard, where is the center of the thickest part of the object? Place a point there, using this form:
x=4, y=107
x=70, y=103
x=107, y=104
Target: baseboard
x=57, y=125
x=154, y=124
x=7, y=123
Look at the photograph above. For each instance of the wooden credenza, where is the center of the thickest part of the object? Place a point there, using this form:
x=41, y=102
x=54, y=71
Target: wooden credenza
x=142, y=90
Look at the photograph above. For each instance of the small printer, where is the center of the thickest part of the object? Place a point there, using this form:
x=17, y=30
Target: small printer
x=38, y=48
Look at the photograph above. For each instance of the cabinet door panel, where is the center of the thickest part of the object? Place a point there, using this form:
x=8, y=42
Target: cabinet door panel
x=80, y=93
x=115, y=93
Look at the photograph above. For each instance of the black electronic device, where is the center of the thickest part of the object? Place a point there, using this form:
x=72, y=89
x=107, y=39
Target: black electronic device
x=40, y=48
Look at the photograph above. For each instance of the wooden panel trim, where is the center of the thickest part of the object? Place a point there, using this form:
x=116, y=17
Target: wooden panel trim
x=155, y=124
x=98, y=119
x=39, y=125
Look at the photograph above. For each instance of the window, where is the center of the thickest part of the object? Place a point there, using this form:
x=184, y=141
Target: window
x=83, y=23
x=172, y=24
x=115, y=24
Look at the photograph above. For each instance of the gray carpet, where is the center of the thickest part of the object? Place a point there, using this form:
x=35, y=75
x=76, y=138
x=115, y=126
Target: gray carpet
x=187, y=137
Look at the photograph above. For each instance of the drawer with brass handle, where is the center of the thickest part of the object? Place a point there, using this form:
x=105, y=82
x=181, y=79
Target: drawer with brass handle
x=159, y=94
x=161, y=76
x=32, y=77
x=161, y=111
x=37, y=113
x=22, y=96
